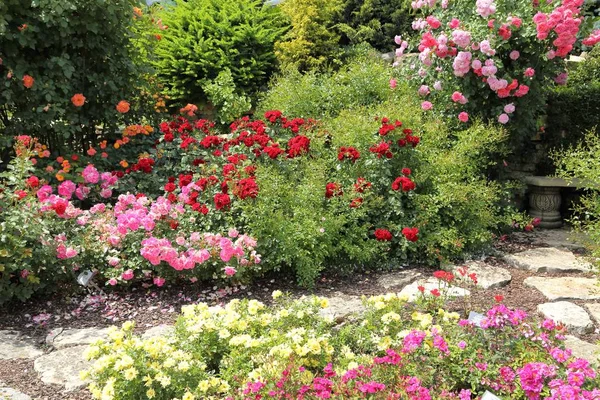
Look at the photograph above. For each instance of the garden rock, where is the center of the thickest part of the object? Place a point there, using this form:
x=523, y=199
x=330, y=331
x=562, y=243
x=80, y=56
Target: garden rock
x=11, y=394
x=63, y=367
x=160, y=330
x=548, y=259
x=341, y=306
x=488, y=277
x=582, y=349
x=398, y=278
x=594, y=310
x=14, y=345
x=565, y=288
x=575, y=318
x=412, y=290
x=62, y=338
x=559, y=238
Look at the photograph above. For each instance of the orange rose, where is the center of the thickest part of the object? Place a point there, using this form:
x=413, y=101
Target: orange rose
x=137, y=11
x=78, y=100
x=124, y=164
x=103, y=144
x=60, y=178
x=28, y=81
x=123, y=107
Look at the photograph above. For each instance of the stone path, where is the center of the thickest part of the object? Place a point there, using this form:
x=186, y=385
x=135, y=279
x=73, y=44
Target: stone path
x=61, y=360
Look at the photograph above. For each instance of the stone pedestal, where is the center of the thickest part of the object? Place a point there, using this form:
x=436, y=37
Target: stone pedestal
x=544, y=203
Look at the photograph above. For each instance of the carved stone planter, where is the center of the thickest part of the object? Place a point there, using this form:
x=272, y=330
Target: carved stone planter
x=545, y=199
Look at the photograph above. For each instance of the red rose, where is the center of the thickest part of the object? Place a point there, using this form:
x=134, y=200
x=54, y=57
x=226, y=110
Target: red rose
x=333, y=189
x=436, y=292
x=499, y=298
x=406, y=171
x=247, y=188
x=355, y=203
x=172, y=198
x=60, y=207
x=298, y=145
x=383, y=235
x=33, y=181
x=222, y=201
x=170, y=187
x=403, y=182
x=411, y=234
x=444, y=275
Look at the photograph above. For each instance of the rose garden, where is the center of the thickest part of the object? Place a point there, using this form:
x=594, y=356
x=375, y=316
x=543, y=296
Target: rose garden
x=303, y=199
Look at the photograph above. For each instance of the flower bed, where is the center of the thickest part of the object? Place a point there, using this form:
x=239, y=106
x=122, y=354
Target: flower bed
x=394, y=350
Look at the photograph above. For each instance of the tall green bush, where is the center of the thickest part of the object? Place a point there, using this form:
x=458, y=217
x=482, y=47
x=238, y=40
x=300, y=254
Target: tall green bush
x=313, y=41
x=205, y=37
x=66, y=47
x=375, y=22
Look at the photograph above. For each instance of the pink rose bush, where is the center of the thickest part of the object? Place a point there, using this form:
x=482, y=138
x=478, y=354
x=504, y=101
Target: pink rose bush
x=394, y=350
x=482, y=50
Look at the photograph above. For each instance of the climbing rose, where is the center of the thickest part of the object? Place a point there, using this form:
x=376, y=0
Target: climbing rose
x=28, y=81
x=78, y=100
x=123, y=107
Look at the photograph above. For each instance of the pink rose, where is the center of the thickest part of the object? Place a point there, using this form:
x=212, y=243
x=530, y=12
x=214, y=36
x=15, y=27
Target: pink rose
x=393, y=83
x=463, y=116
x=503, y=118
x=127, y=275
x=112, y=281
x=230, y=271
x=514, y=55
x=158, y=281
x=529, y=72
x=426, y=105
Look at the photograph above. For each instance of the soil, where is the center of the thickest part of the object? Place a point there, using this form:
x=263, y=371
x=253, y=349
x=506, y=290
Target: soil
x=152, y=307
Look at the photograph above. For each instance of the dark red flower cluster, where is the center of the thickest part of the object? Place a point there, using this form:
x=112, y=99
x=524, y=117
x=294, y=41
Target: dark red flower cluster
x=273, y=151
x=211, y=141
x=382, y=150
x=383, y=235
x=405, y=183
x=293, y=124
x=361, y=185
x=333, y=189
x=408, y=139
x=386, y=127
x=411, y=234
x=33, y=181
x=144, y=164
x=245, y=188
x=273, y=115
x=349, y=153
x=298, y=145
x=357, y=202
x=222, y=201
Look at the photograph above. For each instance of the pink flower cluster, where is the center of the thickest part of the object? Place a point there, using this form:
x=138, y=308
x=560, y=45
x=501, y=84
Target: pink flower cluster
x=564, y=21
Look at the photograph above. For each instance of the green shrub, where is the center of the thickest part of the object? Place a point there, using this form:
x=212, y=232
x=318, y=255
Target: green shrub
x=362, y=81
x=206, y=37
x=582, y=161
x=221, y=93
x=67, y=47
x=375, y=22
x=312, y=42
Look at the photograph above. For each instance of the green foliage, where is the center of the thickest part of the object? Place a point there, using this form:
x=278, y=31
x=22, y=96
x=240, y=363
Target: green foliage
x=312, y=42
x=582, y=161
x=457, y=208
x=222, y=95
x=362, y=81
x=574, y=109
x=375, y=22
x=68, y=47
x=205, y=37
